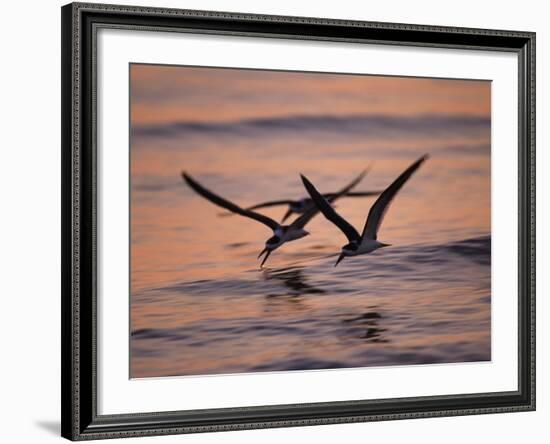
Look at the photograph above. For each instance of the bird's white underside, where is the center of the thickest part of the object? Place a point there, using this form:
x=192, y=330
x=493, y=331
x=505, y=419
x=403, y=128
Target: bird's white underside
x=290, y=234
x=366, y=246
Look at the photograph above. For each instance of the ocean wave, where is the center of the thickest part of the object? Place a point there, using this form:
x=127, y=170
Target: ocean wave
x=305, y=279
x=405, y=305
x=478, y=249
x=374, y=124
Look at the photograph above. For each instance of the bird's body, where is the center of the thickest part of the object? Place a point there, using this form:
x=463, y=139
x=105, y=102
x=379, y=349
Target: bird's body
x=281, y=233
x=366, y=242
x=363, y=247
x=301, y=206
x=287, y=233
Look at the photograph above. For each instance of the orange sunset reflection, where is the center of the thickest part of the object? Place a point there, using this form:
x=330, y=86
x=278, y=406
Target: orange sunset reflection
x=200, y=304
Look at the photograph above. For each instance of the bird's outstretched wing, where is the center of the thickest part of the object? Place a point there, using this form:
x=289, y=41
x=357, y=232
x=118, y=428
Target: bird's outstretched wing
x=272, y=203
x=276, y=203
x=301, y=221
x=379, y=208
x=220, y=201
x=354, y=194
x=330, y=213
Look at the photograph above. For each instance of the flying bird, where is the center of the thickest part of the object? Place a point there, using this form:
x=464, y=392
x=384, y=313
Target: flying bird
x=367, y=241
x=281, y=233
x=301, y=206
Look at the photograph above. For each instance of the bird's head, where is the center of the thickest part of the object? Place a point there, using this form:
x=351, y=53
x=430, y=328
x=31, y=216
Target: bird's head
x=347, y=250
x=271, y=244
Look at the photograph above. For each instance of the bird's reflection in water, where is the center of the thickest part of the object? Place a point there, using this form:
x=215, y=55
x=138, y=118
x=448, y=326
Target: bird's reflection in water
x=294, y=281
x=365, y=326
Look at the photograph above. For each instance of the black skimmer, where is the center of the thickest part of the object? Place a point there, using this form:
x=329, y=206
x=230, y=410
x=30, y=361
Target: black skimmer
x=367, y=241
x=281, y=233
x=304, y=204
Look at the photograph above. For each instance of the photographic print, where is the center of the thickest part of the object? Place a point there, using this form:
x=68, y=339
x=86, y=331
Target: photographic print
x=293, y=221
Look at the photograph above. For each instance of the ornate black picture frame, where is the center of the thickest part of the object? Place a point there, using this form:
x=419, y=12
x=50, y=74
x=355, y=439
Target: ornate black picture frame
x=80, y=419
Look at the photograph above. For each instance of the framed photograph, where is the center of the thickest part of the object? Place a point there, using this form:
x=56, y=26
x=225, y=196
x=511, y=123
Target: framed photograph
x=284, y=221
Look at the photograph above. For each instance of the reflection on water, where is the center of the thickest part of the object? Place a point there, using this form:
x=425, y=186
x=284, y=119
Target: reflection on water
x=411, y=305
x=367, y=326
x=199, y=302
x=294, y=280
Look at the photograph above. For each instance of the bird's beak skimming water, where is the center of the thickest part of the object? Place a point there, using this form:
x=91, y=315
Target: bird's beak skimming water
x=342, y=256
x=267, y=253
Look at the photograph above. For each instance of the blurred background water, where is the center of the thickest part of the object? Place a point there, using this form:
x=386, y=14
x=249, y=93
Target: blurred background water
x=199, y=302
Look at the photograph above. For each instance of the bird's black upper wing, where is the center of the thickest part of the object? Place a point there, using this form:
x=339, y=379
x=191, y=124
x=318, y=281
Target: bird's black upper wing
x=301, y=221
x=272, y=203
x=324, y=206
x=354, y=194
x=220, y=201
x=379, y=208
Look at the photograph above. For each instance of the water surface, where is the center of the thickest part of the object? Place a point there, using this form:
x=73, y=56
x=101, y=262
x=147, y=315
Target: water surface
x=199, y=302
